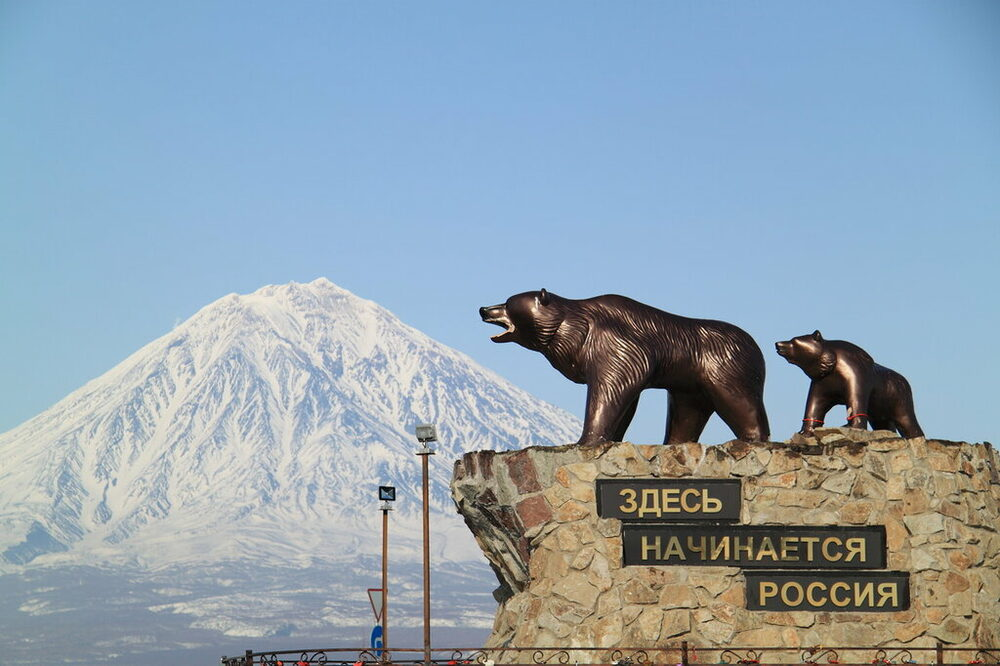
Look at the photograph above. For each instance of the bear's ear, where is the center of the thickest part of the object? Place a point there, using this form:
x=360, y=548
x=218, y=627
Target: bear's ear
x=544, y=297
x=817, y=335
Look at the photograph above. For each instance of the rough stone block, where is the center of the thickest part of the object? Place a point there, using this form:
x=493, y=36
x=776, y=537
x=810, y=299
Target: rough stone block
x=714, y=632
x=908, y=631
x=716, y=463
x=839, y=483
x=951, y=630
x=675, y=623
x=637, y=592
x=522, y=472
x=855, y=513
x=673, y=462
x=786, y=480
x=784, y=460
x=800, y=498
x=573, y=510
x=533, y=511
x=677, y=596
x=924, y=523
x=826, y=462
x=575, y=587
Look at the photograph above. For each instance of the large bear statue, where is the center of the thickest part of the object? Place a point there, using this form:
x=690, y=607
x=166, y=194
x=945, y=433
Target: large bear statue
x=618, y=347
x=845, y=374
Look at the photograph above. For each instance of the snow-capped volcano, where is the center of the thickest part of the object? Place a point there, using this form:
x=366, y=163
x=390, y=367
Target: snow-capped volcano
x=259, y=428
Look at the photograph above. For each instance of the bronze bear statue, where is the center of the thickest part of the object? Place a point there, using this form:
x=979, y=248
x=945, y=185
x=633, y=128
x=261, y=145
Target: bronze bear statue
x=618, y=347
x=844, y=374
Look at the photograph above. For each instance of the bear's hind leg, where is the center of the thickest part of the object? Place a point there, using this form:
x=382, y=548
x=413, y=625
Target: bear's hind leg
x=908, y=426
x=905, y=415
x=687, y=415
x=744, y=414
x=882, y=424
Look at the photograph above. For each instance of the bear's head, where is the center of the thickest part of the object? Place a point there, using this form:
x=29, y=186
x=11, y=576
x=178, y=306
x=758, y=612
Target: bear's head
x=530, y=319
x=809, y=352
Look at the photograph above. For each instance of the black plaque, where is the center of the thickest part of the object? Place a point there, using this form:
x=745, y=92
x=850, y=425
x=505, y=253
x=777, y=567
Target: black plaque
x=867, y=592
x=669, y=500
x=755, y=546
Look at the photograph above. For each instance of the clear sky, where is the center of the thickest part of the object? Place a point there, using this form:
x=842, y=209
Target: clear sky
x=785, y=166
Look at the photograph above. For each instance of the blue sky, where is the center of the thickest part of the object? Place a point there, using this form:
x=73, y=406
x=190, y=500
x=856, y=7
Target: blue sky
x=783, y=166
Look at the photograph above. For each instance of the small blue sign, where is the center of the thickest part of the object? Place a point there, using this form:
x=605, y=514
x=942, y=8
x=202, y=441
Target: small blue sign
x=377, y=640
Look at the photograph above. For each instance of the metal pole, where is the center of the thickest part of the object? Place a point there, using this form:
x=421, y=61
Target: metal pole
x=427, y=558
x=385, y=584
x=425, y=433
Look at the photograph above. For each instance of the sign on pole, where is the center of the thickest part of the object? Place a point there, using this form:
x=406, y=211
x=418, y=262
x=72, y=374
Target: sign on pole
x=375, y=595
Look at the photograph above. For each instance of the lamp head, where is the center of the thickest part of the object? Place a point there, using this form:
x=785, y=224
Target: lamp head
x=426, y=432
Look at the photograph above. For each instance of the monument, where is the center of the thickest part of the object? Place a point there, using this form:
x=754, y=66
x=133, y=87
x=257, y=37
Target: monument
x=840, y=536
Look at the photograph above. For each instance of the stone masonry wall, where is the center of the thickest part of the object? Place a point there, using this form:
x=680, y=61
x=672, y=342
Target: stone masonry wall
x=562, y=582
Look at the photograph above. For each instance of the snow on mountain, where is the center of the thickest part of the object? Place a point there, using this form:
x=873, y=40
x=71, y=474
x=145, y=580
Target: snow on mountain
x=258, y=429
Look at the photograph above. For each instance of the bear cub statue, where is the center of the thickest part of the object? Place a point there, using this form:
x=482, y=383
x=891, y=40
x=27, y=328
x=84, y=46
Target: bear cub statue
x=844, y=374
x=618, y=347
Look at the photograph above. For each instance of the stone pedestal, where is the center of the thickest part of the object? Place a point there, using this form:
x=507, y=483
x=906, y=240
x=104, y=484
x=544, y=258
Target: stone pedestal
x=562, y=582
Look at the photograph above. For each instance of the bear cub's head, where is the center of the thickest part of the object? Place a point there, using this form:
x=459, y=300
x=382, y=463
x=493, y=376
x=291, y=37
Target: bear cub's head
x=809, y=352
x=529, y=319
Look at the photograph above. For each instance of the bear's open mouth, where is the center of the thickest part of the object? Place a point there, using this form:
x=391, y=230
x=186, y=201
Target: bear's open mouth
x=497, y=315
x=502, y=337
x=783, y=349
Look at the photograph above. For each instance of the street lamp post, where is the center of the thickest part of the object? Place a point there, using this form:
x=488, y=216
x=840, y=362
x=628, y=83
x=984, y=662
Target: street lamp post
x=426, y=433
x=386, y=494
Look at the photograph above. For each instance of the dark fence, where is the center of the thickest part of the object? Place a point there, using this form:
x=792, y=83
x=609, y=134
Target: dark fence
x=682, y=654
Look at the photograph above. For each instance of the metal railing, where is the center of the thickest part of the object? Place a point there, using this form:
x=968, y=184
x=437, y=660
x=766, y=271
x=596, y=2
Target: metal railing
x=682, y=654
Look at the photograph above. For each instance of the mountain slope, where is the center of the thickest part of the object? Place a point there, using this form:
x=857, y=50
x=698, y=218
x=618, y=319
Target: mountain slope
x=257, y=429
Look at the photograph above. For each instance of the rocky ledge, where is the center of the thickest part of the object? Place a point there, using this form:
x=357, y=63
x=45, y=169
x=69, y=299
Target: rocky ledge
x=560, y=566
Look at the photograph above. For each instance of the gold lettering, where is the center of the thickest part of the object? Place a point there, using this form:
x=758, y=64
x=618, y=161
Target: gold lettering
x=888, y=593
x=809, y=542
x=767, y=589
x=792, y=585
x=650, y=502
x=670, y=500
x=720, y=547
x=629, y=506
x=864, y=593
x=839, y=601
x=830, y=541
x=766, y=549
x=700, y=548
x=789, y=549
x=646, y=547
x=818, y=603
x=710, y=504
x=690, y=508
x=674, y=548
x=855, y=546
x=747, y=549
